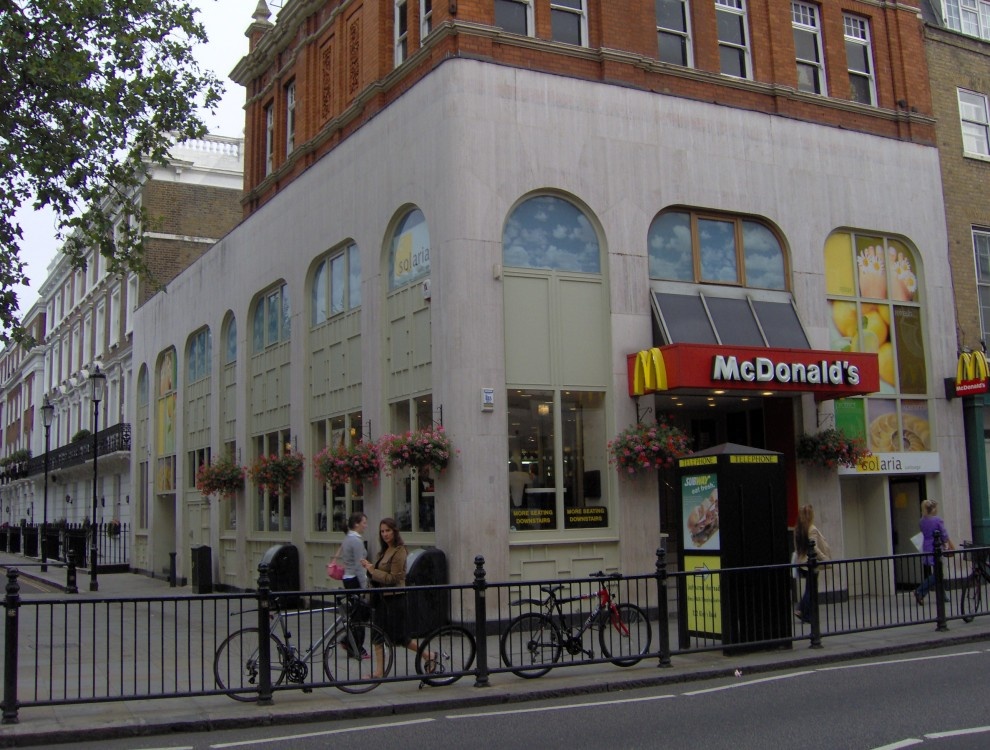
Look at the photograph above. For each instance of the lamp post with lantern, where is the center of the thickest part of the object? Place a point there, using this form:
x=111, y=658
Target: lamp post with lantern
x=98, y=381
x=47, y=416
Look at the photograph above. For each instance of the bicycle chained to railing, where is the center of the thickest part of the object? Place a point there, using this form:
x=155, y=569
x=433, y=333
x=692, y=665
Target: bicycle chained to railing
x=534, y=641
x=972, y=600
x=443, y=656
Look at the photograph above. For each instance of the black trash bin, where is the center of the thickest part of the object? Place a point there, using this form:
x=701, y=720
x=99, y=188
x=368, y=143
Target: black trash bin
x=427, y=610
x=283, y=572
x=202, y=569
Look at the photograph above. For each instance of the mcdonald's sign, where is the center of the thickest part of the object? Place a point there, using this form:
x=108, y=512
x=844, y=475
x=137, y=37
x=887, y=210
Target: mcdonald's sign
x=971, y=374
x=826, y=374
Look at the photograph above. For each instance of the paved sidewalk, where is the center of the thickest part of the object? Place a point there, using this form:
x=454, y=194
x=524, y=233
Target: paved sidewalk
x=48, y=725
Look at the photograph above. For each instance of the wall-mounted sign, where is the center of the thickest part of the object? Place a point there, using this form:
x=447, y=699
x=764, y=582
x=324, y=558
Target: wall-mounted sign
x=488, y=399
x=971, y=374
x=911, y=462
x=826, y=374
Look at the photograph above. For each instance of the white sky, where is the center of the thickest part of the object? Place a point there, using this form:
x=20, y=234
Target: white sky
x=225, y=22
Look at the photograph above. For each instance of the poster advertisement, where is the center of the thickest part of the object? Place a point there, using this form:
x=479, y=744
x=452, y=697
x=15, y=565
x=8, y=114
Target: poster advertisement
x=704, y=604
x=699, y=508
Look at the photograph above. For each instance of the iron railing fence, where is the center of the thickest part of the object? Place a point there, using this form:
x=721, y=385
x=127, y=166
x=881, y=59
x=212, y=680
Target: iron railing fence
x=82, y=650
x=112, y=543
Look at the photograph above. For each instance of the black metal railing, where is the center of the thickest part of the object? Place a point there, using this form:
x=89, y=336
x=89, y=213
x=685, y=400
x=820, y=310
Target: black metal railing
x=113, y=439
x=120, y=649
x=112, y=543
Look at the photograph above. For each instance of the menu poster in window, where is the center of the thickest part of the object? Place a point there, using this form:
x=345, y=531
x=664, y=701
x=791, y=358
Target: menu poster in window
x=699, y=507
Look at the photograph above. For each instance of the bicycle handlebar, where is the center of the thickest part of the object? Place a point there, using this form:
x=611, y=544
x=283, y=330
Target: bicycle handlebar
x=601, y=574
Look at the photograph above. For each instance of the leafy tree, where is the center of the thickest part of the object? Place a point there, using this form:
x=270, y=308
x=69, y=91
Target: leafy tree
x=91, y=93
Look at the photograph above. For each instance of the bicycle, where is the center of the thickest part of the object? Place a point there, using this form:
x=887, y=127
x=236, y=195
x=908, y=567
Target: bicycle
x=236, y=664
x=444, y=655
x=971, y=599
x=534, y=642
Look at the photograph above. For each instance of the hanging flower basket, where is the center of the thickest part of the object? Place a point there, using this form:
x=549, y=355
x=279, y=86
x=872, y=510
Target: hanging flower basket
x=338, y=465
x=113, y=528
x=427, y=448
x=831, y=448
x=222, y=477
x=275, y=474
x=645, y=447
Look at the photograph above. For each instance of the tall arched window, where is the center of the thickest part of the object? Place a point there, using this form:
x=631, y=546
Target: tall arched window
x=873, y=288
x=409, y=254
x=708, y=248
x=230, y=341
x=547, y=232
x=272, y=317
x=199, y=357
x=336, y=284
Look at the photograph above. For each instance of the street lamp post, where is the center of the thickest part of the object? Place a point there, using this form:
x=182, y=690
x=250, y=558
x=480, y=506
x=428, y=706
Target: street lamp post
x=47, y=415
x=98, y=380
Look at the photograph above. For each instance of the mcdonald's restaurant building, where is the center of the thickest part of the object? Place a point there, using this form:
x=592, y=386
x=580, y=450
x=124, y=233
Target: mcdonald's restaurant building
x=781, y=276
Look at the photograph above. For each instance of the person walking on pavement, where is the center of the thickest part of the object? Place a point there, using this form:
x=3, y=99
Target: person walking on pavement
x=804, y=532
x=929, y=524
x=352, y=553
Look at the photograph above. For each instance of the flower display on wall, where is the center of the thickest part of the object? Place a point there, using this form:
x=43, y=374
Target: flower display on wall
x=276, y=473
x=223, y=477
x=337, y=465
x=644, y=447
x=429, y=447
x=830, y=448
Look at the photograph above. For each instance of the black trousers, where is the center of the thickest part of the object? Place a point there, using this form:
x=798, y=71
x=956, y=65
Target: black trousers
x=359, y=613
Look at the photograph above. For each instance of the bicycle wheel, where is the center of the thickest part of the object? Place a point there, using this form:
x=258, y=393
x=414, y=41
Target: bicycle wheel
x=344, y=662
x=971, y=599
x=531, y=640
x=236, y=665
x=445, y=654
x=628, y=639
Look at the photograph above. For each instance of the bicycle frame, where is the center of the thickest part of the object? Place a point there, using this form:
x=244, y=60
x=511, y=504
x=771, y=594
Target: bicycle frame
x=606, y=605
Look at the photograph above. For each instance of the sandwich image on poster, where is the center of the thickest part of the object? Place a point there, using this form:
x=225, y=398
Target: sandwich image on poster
x=699, y=498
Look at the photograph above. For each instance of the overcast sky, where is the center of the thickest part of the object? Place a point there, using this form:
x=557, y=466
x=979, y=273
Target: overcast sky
x=225, y=22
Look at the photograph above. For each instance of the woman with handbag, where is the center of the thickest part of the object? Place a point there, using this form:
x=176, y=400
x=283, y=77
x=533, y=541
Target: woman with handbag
x=389, y=571
x=352, y=555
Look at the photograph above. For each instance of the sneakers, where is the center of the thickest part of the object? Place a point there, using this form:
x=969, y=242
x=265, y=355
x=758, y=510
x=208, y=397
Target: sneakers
x=365, y=654
x=919, y=598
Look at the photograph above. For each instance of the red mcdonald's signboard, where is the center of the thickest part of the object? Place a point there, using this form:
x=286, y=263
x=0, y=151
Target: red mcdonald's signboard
x=826, y=374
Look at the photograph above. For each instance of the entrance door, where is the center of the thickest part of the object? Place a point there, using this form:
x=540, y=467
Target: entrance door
x=906, y=494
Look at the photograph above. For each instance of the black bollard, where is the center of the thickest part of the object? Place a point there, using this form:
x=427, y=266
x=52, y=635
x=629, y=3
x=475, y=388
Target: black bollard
x=171, y=569
x=12, y=603
x=663, y=624
x=70, y=575
x=481, y=621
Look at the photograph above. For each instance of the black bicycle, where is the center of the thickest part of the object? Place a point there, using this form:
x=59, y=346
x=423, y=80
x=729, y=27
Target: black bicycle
x=535, y=640
x=972, y=599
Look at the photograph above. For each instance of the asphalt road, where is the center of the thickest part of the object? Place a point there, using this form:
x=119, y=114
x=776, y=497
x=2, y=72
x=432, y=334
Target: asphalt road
x=933, y=701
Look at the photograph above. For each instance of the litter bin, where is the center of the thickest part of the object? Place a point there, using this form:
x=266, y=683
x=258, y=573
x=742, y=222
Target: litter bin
x=202, y=569
x=283, y=571
x=427, y=609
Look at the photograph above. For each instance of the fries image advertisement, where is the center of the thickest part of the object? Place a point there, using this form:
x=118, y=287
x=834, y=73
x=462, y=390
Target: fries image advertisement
x=699, y=505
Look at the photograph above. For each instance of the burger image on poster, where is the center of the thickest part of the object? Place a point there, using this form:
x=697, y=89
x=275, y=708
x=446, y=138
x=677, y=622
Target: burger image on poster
x=702, y=523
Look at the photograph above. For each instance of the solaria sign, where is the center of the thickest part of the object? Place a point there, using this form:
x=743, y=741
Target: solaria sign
x=699, y=366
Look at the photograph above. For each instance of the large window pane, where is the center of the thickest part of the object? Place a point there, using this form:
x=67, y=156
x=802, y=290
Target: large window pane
x=764, y=257
x=551, y=233
x=717, y=240
x=511, y=16
x=531, y=451
x=670, y=247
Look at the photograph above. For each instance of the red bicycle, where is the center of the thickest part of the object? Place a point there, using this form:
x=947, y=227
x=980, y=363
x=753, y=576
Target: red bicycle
x=535, y=641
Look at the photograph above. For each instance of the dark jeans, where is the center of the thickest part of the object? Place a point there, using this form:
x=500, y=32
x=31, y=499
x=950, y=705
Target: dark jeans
x=359, y=612
x=928, y=570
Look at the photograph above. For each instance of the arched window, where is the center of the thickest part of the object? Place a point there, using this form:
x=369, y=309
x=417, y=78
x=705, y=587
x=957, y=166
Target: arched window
x=230, y=342
x=272, y=317
x=199, y=357
x=873, y=288
x=547, y=232
x=336, y=284
x=705, y=248
x=409, y=254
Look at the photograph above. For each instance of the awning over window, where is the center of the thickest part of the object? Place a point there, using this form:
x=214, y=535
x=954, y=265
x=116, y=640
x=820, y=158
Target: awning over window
x=743, y=320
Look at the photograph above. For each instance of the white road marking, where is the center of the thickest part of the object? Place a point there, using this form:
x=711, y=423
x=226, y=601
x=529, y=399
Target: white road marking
x=896, y=661
x=480, y=714
x=749, y=683
x=900, y=744
x=289, y=738
x=957, y=733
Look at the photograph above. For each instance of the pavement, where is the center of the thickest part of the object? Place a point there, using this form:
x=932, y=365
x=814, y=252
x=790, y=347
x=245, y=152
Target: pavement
x=56, y=724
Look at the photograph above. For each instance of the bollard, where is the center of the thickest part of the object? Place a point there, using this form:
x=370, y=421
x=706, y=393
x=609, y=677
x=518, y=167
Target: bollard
x=70, y=574
x=937, y=551
x=663, y=626
x=264, y=642
x=816, y=631
x=12, y=603
x=171, y=569
x=480, y=622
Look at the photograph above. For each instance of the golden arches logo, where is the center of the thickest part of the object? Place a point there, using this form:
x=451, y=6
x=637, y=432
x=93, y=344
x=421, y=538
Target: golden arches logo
x=971, y=368
x=649, y=372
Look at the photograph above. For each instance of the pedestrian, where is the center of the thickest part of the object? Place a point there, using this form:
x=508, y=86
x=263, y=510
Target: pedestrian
x=804, y=532
x=929, y=524
x=352, y=554
x=389, y=571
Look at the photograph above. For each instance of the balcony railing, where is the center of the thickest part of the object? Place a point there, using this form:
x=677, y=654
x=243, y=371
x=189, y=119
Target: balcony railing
x=113, y=439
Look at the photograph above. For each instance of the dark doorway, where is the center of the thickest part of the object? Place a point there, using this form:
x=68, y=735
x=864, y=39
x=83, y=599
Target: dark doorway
x=906, y=494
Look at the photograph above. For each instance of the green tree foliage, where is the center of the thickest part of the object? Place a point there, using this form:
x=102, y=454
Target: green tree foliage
x=91, y=93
